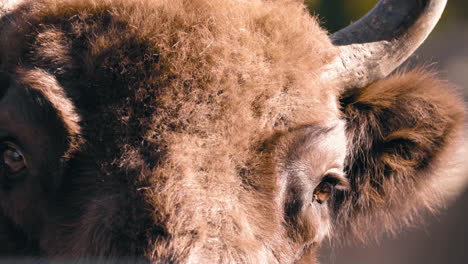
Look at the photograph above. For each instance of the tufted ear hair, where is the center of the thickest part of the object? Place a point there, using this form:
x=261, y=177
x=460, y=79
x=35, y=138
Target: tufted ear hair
x=406, y=153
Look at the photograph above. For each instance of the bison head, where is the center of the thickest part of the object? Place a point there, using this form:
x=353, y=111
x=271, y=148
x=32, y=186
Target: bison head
x=215, y=131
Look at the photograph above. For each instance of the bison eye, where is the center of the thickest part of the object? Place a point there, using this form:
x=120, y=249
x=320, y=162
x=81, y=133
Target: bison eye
x=323, y=192
x=333, y=179
x=13, y=159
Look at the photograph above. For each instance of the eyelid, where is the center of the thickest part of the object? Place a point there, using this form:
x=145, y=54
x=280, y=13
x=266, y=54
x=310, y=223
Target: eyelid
x=10, y=142
x=337, y=178
x=6, y=136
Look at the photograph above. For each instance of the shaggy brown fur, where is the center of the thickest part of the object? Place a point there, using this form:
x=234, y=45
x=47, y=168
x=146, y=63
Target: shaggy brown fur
x=407, y=135
x=197, y=131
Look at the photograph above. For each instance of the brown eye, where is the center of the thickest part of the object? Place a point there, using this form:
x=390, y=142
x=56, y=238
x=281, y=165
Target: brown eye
x=323, y=192
x=13, y=159
x=333, y=179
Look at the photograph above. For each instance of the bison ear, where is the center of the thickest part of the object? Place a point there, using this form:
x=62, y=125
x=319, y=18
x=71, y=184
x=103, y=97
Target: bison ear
x=406, y=152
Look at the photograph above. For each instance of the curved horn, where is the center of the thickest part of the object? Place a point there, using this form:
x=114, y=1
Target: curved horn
x=374, y=46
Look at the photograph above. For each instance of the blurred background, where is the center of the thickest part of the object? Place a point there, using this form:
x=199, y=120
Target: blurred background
x=443, y=238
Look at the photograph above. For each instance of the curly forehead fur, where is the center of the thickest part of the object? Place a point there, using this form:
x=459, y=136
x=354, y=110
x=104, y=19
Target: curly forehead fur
x=198, y=86
x=173, y=66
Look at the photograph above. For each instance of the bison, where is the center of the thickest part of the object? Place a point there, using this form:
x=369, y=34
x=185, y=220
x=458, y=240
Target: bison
x=215, y=131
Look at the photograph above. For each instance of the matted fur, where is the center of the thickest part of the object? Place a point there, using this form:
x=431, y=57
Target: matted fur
x=193, y=129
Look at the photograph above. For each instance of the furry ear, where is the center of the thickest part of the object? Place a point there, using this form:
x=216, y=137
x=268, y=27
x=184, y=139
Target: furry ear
x=406, y=152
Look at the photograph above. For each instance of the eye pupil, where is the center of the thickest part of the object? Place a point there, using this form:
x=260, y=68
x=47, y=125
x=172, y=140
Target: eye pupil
x=13, y=159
